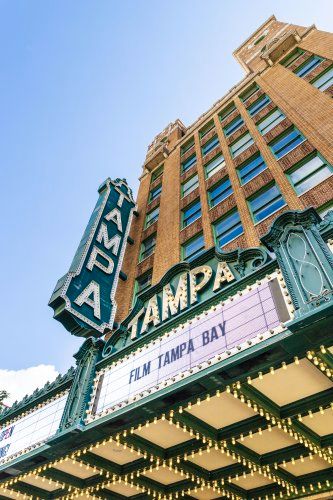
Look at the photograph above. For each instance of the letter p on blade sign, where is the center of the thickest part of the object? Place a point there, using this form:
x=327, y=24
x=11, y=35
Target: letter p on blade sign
x=84, y=299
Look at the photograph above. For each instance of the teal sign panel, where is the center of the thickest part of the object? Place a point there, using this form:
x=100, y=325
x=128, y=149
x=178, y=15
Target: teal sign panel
x=83, y=300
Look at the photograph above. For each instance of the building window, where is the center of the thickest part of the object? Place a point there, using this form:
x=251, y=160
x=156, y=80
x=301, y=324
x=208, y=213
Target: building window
x=191, y=213
x=259, y=104
x=143, y=282
x=249, y=92
x=310, y=173
x=324, y=80
x=190, y=185
x=266, y=202
x=152, y=217
x=259, y=39
x=324, y=209
x=155, y=193
x=214, y=166
x=219, y=192
x=241, y=144
x=227, y=111
x=193, y=247
x=207, y=128
x=187, y=146
x=211, y=144
x=308, y=66
x=289, y=60
x=286, y=142
x=233, y=126
x=228, y=228
x=251, y=168
x=156, y=173
x=270, y=121
x=187, y=164
x=148, y=247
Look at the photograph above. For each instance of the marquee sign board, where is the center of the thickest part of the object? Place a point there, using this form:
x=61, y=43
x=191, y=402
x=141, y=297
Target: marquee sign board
x=83, y=300
x=31, y=430
x=237, y=323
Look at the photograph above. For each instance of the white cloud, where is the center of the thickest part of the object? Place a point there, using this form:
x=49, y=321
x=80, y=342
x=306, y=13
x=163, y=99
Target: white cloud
x=21, y=382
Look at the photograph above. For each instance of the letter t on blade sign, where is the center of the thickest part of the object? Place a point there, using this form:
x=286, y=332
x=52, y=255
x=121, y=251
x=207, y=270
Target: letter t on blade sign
x=84, y=299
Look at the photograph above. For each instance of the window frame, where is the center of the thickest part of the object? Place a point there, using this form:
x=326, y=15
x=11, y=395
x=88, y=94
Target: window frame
x=208, y=175
x=225, y=217
x=319, y=60
x=183, y=194
x=261, y=98
x=329, y=69
x=253, y=86
x=206, y=129
x=188, y=207
x=153, y=198
x=143, y=250
x=188, y=145
x=150, y=222
x=325, y=208
x=239, y=139
x=285, y=61
x=260, y=192
x=301, y=164
x=215, y=186
x=283, y=135
x=247, y=162
x=233, y=130
x=192, y=165
x=227, y=111
x=281, y=117
x=217, y=143
x=136, y=284
x=197, y=252
x=154, y=177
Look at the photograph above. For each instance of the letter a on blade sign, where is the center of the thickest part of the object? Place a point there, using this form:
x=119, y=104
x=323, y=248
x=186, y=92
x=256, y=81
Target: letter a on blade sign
x=83, y=300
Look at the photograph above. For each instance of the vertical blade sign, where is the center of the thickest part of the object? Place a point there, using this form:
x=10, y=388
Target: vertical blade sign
x=83, y=300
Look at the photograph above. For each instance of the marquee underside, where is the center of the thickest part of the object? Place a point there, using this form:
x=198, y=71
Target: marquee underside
x=268, y=436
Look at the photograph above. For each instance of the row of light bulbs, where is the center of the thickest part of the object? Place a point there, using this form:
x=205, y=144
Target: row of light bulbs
x=236, y=387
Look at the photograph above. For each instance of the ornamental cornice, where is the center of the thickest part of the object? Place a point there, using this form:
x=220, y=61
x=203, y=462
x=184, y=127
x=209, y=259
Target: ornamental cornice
x=304, y=218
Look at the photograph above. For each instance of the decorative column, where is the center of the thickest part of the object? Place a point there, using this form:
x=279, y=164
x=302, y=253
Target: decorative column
x=80, y=392
x=306, y=262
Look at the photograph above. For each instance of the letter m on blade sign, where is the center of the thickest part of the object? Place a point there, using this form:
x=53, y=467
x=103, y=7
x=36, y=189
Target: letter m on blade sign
x=83, y=300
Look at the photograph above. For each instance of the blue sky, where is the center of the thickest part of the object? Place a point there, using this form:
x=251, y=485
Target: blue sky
x=84, y=88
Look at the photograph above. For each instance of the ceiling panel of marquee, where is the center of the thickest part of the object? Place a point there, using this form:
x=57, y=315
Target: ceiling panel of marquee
x=268, y=435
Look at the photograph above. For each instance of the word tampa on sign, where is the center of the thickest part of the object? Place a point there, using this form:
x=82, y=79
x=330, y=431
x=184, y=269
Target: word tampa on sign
x=83, y=300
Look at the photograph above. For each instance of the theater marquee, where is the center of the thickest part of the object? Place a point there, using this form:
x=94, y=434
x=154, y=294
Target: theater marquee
x=236, y=324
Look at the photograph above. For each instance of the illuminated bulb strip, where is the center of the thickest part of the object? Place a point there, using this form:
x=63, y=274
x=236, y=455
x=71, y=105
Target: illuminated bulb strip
x=319, y=363
x=285, y=424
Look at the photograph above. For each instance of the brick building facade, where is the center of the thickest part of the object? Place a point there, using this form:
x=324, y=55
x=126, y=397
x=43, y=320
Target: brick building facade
x=263, y=148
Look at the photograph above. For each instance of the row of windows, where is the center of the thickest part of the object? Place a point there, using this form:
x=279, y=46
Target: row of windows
x=240, y=145
x=280, y=146
x=323, y=81
x=225, y=230
x=304, y=176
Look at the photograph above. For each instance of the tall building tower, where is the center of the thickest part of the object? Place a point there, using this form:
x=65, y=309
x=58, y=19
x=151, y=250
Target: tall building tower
x=263, y=148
